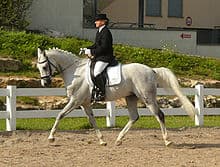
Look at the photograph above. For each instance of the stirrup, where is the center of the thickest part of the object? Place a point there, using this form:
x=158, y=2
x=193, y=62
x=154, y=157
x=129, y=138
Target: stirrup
x=97, y=96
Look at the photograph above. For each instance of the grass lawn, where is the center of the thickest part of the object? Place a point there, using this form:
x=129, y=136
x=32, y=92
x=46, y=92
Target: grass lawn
x=82, y=123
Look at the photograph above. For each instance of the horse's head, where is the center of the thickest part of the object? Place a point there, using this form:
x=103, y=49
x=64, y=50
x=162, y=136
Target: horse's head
x=46, y=66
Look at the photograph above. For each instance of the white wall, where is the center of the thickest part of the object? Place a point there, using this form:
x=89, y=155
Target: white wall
x=151, y=39
x=208, y=50
x=61, y=15
x=66, y=16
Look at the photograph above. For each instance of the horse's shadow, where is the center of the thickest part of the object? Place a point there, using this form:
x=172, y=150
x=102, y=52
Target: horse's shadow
x=195, y=146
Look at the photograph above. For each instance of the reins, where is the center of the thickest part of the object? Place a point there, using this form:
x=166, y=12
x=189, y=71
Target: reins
x=70, y=66
x=50, y=69
x=59, y=70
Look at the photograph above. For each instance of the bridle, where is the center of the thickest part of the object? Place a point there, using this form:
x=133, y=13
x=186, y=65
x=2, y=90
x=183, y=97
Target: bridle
x=50, y=65
x=59, y=70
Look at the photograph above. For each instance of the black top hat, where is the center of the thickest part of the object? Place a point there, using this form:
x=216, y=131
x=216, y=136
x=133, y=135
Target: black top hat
x=101, y=17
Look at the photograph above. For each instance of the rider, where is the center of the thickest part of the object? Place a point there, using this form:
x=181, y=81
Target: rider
x=101, y=53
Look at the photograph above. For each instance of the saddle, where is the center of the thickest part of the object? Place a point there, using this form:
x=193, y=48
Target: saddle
x=111, y=76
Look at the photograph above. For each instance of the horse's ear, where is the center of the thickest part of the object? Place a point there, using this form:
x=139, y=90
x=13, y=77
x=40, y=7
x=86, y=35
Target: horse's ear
x=39, y=52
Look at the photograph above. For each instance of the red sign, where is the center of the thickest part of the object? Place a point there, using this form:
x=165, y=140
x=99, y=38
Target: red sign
x=185, y=35
x=189, y=21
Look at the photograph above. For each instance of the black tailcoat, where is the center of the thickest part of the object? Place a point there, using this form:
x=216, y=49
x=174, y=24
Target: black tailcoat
x=102, y=49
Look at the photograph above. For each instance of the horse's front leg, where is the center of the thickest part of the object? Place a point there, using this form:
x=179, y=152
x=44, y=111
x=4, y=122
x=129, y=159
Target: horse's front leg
x=67, y=109
x=69, y=90
x=88, y=111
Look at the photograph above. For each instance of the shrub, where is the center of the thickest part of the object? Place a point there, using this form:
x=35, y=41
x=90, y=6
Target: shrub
x=13, y=14
x=180, y=64
x=23, y=46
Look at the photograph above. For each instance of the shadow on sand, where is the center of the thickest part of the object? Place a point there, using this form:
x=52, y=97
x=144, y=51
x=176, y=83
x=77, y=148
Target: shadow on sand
x=194, y=146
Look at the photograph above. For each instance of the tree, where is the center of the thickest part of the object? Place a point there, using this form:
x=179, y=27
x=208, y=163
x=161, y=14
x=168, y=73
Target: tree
x=13, y=14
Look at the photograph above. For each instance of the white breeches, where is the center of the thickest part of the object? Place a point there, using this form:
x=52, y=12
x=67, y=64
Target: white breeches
x=99, y=67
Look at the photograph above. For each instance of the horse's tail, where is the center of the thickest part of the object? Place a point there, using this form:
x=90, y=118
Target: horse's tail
x=167, y=79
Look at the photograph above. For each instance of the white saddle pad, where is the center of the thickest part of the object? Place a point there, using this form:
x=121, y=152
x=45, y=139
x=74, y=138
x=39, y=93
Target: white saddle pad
x=114, y=75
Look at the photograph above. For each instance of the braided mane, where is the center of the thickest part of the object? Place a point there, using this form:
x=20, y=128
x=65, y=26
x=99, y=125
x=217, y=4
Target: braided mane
x=60, y=50
x=70, y=57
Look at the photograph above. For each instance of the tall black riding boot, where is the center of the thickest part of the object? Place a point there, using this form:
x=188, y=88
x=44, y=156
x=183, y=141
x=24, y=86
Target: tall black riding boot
x=100, y=82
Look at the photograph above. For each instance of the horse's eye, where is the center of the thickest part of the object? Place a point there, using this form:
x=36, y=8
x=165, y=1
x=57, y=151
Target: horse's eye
x=44, y=68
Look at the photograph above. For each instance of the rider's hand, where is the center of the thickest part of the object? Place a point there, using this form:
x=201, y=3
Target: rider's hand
x=82, y=51
x=87, y=51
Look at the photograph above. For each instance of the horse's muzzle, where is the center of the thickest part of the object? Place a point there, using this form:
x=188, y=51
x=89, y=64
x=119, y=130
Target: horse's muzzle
x=46, y=82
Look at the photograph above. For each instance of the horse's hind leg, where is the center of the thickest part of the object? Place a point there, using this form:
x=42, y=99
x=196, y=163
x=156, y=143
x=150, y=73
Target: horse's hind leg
x=161, y=119
x=88, y=110
x=148, y=95
x=133, y=114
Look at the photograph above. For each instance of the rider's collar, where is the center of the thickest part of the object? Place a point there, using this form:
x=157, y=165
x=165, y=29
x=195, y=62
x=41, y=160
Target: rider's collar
x=100, y=28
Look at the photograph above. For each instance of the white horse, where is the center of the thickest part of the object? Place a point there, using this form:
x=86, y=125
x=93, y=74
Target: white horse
x=138, y=82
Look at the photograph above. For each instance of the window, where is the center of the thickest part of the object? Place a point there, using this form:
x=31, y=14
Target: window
x=153, y=7
x=89, y=12
x=175, y=8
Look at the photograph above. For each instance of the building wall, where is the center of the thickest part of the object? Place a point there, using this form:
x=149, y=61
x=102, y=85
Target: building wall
x=64, y=16
x=208, y=51
x=122, y=11
x=152, y=39
x=204, y=14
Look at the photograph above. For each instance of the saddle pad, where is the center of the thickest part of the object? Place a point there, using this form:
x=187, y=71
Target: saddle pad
x=114, y=75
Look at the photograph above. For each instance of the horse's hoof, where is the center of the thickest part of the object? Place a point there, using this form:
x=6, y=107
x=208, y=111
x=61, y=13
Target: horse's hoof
x=168, y=143
x=51, y=139
x=118, y=142
x=103, y=143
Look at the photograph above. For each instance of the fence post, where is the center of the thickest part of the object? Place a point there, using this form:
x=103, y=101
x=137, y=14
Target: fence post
x=11, y=108
x=110, y=117
x=199, y=105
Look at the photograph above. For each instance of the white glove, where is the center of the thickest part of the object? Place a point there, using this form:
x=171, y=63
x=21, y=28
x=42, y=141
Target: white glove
x=88, y=51
x=82, y=51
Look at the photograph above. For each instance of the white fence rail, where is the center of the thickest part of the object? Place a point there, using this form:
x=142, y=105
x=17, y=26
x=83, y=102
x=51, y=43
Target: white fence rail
x=11, y=114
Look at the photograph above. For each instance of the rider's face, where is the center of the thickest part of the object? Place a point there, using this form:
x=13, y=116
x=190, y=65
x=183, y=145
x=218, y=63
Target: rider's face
x=99, y=23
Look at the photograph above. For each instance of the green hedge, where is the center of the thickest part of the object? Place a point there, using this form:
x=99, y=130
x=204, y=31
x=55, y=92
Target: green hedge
x=13, y=14
x=23, y=46
x=180, y=64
